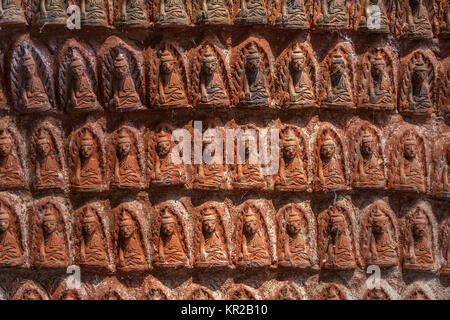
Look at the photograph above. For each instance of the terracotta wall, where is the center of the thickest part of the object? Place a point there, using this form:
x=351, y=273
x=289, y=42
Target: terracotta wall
x=87, y=178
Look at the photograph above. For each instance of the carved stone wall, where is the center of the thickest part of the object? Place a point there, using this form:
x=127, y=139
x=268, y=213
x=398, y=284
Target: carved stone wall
x=358, y=89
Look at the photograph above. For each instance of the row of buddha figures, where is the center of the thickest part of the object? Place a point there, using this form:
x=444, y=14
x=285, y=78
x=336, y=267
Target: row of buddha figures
x=325, y=159
x=408, y=18
x=174, y=234
x=169, y=77
x=153, y=289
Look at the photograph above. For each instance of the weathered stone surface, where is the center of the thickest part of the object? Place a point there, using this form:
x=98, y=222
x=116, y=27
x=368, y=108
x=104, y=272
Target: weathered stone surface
x=90, y=177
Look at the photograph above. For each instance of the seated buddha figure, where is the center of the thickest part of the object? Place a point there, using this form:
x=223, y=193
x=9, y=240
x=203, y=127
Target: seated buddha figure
x=170, y=249
x=11, y=12
x=374, y=16
x=32, y=96
x=171, y=93
x=210, y=174
x=252, y=11
x=417, y=24
x=300, y=88
x=53, y=247
x=339, y=253
x=254, y=247
x=369, y=171
x=52, y=11
x=248, y=174
x=410, y=174
x=87, y=169
x=419, y=249
x=254, y=87
x=381, y=251
x=133, y=13
x=131, y=254
x=81, y=96
x=93, y=252
x=293, y=14
x=172, y=12
x=9, y=163
x=296, y=247
x=94, y=12
x=11, y=251
x=379, y=90
x=166, y=172
x=214, y=12
x=334, y=14
x=212, y=87
x=48, y=168
x=292, y=173
x=419, y=93
x=127, y=171
x=124, y=92
x=339, y=91
x=330, y=171
x=212, y=247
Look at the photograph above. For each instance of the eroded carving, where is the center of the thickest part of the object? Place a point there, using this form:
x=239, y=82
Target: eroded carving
x=441, y=177
x=289, y=291
x=201, y=293
x=295, y=14
x=247, y=172
x=445, y=246
x=30, y=290
x=333, y=291
x=211, y=174
x=94, y=13
x=241, y=292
